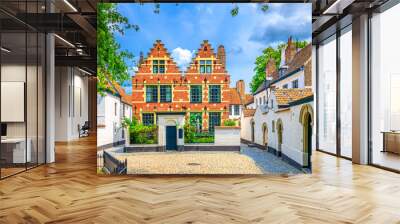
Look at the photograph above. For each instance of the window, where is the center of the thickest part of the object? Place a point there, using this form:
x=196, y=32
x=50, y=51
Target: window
x=214, y=119
x=159, y=66
x=196, y=120
x=115, y=109
x=236, y=110
x=148, y=118
x=264, y=100
x=345, y=83
x=285, y=86
x=215, y=94
x=165, y=93
x=195, y=94
x=327, y=95
x=272, y=103
x=282, y=72
x=205, y=66
x=231, y=109
x=151, y=94
x=385, y=88
x=295, y=84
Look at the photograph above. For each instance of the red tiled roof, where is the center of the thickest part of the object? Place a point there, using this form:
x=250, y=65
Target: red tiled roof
x=248, y=99
x=249, y=112
x=125, y=98
x=285, y=96
x=234, y=97
x=300, y=58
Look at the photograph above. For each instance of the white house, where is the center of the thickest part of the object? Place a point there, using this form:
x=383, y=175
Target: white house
x=283, y=122
x=112, y=107
x=297, y=73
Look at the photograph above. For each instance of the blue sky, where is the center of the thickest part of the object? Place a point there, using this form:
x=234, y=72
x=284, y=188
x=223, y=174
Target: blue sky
x=182, y=28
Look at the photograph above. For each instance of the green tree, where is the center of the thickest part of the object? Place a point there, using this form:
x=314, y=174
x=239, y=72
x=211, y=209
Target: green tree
x=261, y=62
x=111, y=60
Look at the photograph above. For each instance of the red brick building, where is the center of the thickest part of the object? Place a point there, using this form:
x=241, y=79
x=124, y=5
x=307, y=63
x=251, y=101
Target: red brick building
x=202, y=91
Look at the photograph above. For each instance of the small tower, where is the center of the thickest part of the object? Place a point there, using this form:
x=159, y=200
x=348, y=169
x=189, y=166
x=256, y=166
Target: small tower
x=270, y=68
x=221, y=55
x=290, y=51
x=141, y=59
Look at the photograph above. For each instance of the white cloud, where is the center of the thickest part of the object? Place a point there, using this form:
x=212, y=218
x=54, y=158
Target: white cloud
x=182, y=57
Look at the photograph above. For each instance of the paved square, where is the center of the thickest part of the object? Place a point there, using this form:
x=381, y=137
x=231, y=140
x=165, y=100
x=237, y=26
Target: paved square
x=190, y=163
x=249, y=160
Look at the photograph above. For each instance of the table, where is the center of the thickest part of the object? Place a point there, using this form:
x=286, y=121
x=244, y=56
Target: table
x=391, y=141
x=13, y=150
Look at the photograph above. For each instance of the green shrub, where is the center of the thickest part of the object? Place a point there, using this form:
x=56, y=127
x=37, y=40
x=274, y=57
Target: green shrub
x=142, y=134
x=192, y=137
x=206, y=139
x=229, y=122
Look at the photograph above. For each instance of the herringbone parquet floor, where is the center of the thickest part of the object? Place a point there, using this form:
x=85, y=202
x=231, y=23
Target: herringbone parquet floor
x=69, y=191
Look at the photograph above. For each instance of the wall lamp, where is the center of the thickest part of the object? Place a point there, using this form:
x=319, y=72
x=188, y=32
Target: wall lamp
x=70, y=5
x=5, y=50
x=64, y=40
x=84, y=71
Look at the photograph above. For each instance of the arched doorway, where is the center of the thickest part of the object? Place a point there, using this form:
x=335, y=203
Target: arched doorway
x=252, y=130
x=265, y=135
x=306, y=119
x=279, y=129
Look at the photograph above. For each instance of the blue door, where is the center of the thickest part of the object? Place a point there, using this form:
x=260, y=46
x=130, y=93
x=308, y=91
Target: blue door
x=171, y=143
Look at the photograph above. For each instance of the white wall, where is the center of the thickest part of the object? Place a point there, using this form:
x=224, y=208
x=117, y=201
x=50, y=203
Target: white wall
x=259, y=98
x=127, y=111
x=299, y=76
x=71, y=102
x=245, y=128
x=292, y=134
x=109, y=129
x=251, y=106
x=227, y=136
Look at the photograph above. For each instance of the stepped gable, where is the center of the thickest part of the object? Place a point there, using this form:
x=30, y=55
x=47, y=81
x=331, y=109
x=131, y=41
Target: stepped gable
x=207, y=52
x=158, y=51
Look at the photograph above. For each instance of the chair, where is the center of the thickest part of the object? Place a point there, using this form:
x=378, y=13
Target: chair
x=84, y=130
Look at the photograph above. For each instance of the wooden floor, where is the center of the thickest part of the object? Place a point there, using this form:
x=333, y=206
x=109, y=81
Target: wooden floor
x=70, y=192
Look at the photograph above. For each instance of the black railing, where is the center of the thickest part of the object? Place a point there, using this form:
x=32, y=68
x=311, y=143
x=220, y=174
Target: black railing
x=113, y=165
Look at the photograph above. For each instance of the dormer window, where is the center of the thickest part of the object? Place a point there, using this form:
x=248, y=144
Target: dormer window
x=158, y=66
x=205, y=66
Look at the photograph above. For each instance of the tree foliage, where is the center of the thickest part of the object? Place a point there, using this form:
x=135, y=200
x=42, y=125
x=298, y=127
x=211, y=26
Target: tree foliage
x=261, y=62
x=235, y=10
x=111, y=60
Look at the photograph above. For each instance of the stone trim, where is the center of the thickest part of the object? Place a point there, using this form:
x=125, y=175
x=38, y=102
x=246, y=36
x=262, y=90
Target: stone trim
x=285, y=158
x=110, y=145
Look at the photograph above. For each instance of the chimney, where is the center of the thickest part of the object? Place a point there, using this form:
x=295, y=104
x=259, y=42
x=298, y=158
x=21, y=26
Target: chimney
x=270, y=68
x=141, y=59
x=240, y=87
x=290, y=51
x=221, y=55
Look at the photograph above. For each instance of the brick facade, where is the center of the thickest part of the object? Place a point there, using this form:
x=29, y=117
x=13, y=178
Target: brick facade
x=180, y=83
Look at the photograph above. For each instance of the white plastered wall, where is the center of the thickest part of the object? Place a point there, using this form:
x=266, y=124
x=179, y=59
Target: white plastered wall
x=109, y=129
x=71, y=102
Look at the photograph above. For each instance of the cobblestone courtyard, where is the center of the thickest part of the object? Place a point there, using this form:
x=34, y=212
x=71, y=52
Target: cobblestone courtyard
x=250, y=160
